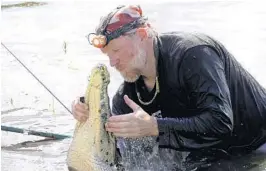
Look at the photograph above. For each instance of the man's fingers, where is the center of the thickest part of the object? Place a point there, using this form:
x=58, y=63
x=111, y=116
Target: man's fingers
x=77, y=105
x=121, y=130
x=83, y=118
x=131, y=103
x=81, y=103
x=81, y=108
x=117, y=124
x=127, y=135
x=121, y=118
x=80, y=116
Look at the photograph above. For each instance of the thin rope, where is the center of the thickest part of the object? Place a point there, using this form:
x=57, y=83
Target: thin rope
x=36, y=78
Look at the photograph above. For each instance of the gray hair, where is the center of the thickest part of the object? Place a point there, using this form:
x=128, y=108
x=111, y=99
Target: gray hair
x=150, y=30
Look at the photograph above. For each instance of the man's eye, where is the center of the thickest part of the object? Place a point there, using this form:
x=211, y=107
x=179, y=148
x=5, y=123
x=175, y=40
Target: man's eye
x=115, y=50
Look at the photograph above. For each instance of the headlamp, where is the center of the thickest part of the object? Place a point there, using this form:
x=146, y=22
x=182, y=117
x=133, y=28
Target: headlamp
x=102, y=37
x=98, y=41
x=101, y=40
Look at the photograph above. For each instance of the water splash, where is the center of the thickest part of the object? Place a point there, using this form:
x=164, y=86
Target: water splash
x=145, y=154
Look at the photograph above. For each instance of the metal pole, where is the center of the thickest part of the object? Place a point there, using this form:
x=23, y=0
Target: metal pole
x=37, y=133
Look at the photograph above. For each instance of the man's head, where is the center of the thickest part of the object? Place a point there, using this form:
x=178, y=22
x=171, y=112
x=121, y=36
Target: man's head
x=124, y=35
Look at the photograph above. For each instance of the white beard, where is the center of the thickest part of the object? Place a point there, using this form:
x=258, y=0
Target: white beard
x=131, y=79
x=138, y=62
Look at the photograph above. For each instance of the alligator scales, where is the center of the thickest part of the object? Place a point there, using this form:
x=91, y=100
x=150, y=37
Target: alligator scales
x=92, y=148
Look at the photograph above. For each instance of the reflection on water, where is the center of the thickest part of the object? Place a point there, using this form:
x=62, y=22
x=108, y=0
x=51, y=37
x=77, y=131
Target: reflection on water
x=50, y=40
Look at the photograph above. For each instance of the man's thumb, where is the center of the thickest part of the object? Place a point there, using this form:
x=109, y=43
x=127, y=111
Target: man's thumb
x=131, y=103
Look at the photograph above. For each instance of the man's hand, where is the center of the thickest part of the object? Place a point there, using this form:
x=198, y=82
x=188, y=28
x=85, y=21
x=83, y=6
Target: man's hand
x=132, y=125
x=80, y=110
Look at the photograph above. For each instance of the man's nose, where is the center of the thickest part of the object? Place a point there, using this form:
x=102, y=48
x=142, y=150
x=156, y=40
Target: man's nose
x=113, y=61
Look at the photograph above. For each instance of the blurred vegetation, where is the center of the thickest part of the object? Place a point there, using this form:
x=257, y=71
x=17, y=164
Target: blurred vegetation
x=23, y=4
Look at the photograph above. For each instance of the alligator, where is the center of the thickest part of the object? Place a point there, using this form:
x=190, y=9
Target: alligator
x=92, y=147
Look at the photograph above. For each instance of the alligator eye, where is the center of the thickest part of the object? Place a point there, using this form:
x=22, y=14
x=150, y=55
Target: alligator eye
x=106, y=161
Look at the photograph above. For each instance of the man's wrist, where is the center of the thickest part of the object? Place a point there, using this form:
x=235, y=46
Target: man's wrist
x=155, y=130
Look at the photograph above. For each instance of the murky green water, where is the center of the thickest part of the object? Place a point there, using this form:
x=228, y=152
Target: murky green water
x=50, y=40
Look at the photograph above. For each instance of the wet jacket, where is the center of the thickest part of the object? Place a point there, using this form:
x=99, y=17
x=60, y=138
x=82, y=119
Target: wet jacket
x=207, y=100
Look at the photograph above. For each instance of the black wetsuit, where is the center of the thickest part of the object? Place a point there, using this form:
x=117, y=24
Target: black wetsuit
x=207, y=100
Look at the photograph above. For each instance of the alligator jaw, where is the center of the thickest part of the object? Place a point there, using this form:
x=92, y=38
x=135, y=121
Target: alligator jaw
x=92, y=148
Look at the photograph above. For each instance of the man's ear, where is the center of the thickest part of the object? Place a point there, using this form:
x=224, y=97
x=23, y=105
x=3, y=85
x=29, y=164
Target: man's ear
x=142, y=33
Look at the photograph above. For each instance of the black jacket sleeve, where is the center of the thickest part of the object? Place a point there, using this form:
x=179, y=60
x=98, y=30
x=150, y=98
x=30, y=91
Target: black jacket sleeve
x=202, y=75
x=118, y=104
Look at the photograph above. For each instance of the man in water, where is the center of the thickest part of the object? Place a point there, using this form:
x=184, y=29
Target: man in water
x=184, y=89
